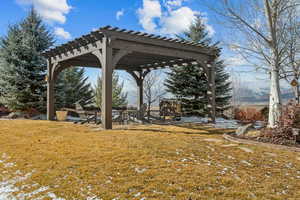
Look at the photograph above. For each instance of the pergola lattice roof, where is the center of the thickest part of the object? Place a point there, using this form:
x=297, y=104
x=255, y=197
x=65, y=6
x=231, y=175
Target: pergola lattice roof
x=77, y=51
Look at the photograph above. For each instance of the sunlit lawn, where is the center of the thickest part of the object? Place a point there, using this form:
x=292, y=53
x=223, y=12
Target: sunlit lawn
x=143, y=162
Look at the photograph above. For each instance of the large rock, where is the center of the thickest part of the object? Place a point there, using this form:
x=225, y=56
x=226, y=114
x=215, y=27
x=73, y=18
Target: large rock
x=242, y=130
x=14, y=115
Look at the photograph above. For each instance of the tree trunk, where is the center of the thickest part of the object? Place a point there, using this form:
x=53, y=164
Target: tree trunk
x=148, y=110
x=275, y=98
x=296, y=93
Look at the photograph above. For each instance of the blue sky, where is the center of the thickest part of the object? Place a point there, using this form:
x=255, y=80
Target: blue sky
x=71, y=18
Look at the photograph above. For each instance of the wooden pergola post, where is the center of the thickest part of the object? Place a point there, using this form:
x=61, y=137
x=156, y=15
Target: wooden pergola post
x=140, y=93
x=105, y=57
x=211, y=92
x=50, y=92
x=107, y=70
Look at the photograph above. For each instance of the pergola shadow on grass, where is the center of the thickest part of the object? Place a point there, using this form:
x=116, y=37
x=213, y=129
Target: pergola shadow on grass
x=137, y=53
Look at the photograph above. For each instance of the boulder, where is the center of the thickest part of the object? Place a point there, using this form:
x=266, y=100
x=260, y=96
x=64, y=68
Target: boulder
x=14, y=115
x=242, y=130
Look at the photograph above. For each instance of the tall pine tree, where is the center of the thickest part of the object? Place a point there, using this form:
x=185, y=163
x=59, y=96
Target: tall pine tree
x=71, y=87
x=119, y=98
x=22, y=68
x=189, y=84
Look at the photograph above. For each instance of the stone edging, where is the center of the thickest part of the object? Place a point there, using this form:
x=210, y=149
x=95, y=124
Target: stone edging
x=251, y=142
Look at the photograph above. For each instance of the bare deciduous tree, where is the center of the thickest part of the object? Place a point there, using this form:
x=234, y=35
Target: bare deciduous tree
x=263, y=26
x=153, y=89
x=290, y=70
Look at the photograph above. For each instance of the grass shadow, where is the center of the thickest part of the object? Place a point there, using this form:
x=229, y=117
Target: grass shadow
x=200, y=129
x=205, y=128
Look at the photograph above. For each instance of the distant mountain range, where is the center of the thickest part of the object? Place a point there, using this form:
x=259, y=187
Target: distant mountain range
x=246, y=95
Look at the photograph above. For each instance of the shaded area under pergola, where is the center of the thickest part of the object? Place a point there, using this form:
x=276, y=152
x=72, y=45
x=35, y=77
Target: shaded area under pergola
x=138, y=53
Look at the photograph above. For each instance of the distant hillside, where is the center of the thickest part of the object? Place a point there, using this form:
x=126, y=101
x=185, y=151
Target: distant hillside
x=248, y=96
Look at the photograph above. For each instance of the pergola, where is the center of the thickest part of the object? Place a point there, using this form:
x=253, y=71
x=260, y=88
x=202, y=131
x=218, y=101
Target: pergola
x=138, y=53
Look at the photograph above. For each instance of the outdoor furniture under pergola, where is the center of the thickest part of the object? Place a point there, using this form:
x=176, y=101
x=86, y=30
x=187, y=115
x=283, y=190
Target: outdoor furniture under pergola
x=137, y=53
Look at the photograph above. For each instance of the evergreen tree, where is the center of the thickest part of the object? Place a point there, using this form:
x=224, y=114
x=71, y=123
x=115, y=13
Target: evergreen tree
x=189, y=83
x=22, y=68
x=72, y=87
x=119, y=98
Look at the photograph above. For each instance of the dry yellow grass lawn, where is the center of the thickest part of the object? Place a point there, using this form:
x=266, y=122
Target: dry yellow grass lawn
x=144, y=162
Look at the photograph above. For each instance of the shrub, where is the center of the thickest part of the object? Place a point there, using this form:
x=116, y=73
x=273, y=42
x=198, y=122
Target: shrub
x=248, y=115
x=3, y=110
x=283, y=134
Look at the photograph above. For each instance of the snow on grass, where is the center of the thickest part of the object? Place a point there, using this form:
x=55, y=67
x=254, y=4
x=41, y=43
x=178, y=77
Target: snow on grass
x=9, y=189
x=220, y=122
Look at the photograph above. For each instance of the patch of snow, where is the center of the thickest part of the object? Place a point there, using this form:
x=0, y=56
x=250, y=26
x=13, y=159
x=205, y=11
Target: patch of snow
x=289, y=165
x=212, y=140
x=220, y=122
x=53, y=196
x=210, y=148
x=157, y=192
x=6, y=190
x=7, y=165
x=246, y=149
x=230, y=157
x=137, y=194
x=8, y=186
x=271, y=154
x=229, y=145
x=184, y=160
x=35, y=192
x=237, y=177
x=246, y=162
x=193, y=119
x=75, y=119
x=140, y=170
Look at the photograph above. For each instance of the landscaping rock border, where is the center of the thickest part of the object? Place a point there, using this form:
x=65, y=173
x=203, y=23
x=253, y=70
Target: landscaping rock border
x=230, y=138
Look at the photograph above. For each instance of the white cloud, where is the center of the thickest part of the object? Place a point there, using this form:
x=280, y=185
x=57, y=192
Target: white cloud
x=150, y=11
x=210, y=29
x=174, y=3
x=119, y=14
x=51, y=10
x=169, y=18
x=235, y=61
x=60, y=32
x=177, y=20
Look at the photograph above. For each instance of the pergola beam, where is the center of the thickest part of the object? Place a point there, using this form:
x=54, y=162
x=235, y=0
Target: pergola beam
x=76, y=52
x=158, y=50
x=155, y=40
